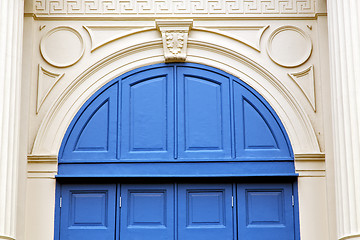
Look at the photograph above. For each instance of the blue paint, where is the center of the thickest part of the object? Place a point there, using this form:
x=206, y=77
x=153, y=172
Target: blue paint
x=203, y=114
x=147, y=212
x=57, y=211
x=176, y=113
x=265, y=210
x=88, y=211
x=179, y=169
x=176, y=120
x=147, y=115
x=182, y=211
x=259, y=133
x=93, y=134
x=296, y=210
x=205, y=211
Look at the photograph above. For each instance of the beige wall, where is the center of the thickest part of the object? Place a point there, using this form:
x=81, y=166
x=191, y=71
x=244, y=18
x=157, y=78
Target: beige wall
x=71, y=50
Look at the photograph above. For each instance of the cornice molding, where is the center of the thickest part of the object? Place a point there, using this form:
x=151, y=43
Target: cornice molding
x=310, y=157
x=310, y=164
x=42, y=158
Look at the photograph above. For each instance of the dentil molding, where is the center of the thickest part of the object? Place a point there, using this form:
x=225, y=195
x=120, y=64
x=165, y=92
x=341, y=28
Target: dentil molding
x=174, y=36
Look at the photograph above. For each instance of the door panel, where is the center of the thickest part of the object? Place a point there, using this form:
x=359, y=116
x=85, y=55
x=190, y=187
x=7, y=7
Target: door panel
x=192, y=212
x=94, y=137
x=88, y=212
x=147, y=212
x=147, y=115
x=265, y=211
x=204, y=114
x=258, y=135
x=205, y=211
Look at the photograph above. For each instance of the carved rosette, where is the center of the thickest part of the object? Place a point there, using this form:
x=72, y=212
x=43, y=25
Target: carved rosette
x=174, y=36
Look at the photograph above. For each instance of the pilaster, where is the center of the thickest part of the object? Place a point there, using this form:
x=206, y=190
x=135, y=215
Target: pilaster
x=11, y=32
x=344, y=38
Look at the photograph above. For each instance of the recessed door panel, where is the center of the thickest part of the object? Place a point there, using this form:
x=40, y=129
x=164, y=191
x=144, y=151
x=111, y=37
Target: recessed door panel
x=94, y=135
x=88, y=212
x=147, y=115
x=205, y=211
x=257, y=132
x=265, y=211
x=175, y=113
x=147, y=212
x=258, y=135
x=261, y=211
x=204, y=114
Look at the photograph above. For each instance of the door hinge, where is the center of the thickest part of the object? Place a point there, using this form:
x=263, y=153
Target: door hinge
x=232, y=201
x=60, y=202
x=292, y=200
x=120, y=202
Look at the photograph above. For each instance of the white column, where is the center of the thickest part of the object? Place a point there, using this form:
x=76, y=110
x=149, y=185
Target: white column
x=344, y=39
x=11, y=32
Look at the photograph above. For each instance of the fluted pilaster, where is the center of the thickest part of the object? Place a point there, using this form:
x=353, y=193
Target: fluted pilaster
x=344, y=38
x=11, y=32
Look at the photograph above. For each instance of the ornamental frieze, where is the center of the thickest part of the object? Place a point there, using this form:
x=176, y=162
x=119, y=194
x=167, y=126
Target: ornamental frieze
x=201, y=8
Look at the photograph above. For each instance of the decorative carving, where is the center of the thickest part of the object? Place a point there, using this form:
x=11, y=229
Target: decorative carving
x=172, y=7
x=174, y=35
x=62, y=46
x=175, y=41
x=289, y=46
x=306, y=81
x=46, y=82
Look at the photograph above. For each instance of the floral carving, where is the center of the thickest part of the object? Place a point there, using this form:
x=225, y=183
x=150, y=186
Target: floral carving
x=175, y=41
x=174, y=35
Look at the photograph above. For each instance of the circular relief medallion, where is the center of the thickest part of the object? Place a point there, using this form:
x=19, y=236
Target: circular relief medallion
x=62, y=46
x=289, y=46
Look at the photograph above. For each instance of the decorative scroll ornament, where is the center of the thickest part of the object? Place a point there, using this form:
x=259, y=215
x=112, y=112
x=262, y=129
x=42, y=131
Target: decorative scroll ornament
x=174, y=35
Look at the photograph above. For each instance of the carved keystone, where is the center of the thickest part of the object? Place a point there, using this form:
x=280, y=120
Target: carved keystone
x=174, y=36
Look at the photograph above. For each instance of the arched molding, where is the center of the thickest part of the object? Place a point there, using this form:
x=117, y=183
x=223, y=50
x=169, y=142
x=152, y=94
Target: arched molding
x=55, y=123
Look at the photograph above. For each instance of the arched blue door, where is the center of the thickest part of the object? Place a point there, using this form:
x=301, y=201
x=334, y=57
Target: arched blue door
x=175, y=121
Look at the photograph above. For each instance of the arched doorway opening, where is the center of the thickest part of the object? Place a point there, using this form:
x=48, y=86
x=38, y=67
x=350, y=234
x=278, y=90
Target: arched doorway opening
x=223, y=156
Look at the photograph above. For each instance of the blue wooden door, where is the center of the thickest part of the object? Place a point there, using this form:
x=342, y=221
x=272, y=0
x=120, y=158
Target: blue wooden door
x=87, y=211
x=147, y=121
x=176, y=120
x=203, y=114
x=147, y=212
x=265, y=212
x=205, y=212
x=238, y=211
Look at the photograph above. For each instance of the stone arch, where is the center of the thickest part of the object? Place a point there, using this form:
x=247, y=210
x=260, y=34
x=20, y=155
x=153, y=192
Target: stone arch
x=291, y=113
